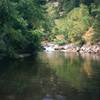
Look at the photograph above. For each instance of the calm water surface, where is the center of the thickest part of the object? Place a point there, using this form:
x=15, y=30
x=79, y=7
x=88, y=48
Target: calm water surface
x=51, y=76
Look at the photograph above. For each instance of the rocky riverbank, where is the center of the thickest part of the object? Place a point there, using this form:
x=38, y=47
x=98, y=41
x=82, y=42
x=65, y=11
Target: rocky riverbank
x=86, y=48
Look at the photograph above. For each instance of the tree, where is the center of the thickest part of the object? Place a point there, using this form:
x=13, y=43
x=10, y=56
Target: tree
x=96, y=37
x=19, y=20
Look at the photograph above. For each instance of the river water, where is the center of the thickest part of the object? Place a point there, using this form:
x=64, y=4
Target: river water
x=51, y=76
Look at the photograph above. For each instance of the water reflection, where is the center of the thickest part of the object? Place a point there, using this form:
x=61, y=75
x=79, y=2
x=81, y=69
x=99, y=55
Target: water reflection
x=47, y=97
x=87, y=67
x=51, y=76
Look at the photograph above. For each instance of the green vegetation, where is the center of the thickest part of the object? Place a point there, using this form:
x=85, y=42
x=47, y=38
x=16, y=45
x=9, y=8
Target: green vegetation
x=24, y=22
x=74, y=19
x=96, y=37
x=20, y=25
x=74, y=24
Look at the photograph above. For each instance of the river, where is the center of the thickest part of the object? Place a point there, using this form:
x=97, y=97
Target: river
x=51, y=76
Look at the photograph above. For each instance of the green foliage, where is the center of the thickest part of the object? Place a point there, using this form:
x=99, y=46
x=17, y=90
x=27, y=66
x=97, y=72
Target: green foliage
x=96, y=37
x=23, y=22
x=72, y=18
x=19, y=20
x=52, y=10
x=76, y=22
x=77, y=17
x=60, y=42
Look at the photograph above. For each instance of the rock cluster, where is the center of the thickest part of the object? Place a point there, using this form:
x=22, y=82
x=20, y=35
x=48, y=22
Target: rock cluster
x=69, y=48
x=86, y=48
x=90, y=49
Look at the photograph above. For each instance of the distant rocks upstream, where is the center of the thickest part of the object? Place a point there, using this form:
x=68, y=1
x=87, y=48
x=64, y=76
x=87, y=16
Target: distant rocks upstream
x=86, y=48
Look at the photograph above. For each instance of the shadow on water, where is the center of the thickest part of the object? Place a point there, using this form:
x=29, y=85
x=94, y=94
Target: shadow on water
x=51, y=76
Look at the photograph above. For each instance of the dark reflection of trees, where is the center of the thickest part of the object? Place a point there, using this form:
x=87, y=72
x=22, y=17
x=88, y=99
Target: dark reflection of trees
x=90, y=70
x=19, y=80
x=94, y=82
x=78, y=71
x=26, y=80
x=54, y=74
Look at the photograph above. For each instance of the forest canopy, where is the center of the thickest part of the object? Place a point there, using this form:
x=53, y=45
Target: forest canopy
x=20, y=21
x=24, y=23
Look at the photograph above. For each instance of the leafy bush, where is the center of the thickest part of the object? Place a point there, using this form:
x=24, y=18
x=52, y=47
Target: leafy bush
x=74, y=24
x=19, y=20
x=96, y=36
x=60, y=42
